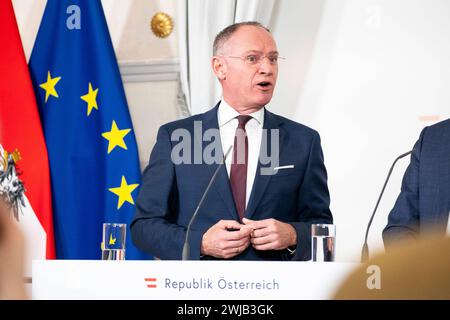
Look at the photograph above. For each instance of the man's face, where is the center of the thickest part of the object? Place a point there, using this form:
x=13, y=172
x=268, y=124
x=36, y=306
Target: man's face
x=248, y=85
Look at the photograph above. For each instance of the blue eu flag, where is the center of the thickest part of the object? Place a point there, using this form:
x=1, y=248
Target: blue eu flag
x=90, y=139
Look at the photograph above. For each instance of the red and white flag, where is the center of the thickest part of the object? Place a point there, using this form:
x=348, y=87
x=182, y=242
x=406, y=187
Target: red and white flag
x=21, y=134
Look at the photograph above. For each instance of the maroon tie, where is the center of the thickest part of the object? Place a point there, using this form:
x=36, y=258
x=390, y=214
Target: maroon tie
x=238, y=174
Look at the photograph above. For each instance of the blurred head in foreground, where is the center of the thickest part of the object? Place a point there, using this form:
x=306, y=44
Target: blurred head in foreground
x=12, y=248
x=415, y=271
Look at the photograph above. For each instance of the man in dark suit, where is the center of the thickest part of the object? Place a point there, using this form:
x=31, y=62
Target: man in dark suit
x=256, y=209
x=423, y=206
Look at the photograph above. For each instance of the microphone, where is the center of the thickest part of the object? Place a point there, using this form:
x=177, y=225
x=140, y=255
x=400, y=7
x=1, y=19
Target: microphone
x=365, y=248
x=186, y=247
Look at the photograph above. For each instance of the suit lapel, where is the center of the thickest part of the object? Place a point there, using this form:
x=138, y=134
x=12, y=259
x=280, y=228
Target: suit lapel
x=222, y=183
x=261, y=182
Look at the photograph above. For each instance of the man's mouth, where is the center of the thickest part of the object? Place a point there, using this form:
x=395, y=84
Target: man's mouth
x=264, y=85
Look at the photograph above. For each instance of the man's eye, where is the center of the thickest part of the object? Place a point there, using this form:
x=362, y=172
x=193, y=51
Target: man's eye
x=273, y=59
x=252, y=58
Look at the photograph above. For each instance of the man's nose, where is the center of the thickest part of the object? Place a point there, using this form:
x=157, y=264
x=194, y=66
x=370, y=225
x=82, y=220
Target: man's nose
x=265, y=67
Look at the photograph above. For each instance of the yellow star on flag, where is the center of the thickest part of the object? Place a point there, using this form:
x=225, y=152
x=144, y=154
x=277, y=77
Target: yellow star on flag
x=91, y=99
x=124, y=192
x=115, y=137
x=49, y=86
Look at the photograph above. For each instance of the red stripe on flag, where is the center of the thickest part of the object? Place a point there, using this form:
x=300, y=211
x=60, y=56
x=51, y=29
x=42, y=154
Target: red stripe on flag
x=20, y=126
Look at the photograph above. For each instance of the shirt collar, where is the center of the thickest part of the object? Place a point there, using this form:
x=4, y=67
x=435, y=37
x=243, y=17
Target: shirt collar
x=226, y=113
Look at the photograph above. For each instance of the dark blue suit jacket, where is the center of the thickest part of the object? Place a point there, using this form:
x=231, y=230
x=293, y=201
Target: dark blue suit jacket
x=424, y=202
x=170, y=193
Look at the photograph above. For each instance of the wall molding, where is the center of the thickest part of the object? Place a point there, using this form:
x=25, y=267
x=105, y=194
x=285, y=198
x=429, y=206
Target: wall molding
x=149, y=70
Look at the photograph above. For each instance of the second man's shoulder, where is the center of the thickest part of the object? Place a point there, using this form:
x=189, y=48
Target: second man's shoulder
x=440, y=127
x=436, y=133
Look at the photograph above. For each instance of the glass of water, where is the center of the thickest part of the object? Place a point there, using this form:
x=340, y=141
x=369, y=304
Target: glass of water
x=323, y=242
x=113, y=241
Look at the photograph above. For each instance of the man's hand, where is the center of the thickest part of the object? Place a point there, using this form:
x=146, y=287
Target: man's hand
x=220, y=242
x=271, y=234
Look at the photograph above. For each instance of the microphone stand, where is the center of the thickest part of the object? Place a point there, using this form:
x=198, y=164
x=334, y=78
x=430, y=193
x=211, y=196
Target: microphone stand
x=186, y=247
x=365, y=248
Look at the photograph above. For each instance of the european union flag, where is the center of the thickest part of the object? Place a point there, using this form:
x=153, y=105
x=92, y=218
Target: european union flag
x=92, y=149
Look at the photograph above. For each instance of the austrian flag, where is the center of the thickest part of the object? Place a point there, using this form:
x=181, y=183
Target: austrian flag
x=21, y=135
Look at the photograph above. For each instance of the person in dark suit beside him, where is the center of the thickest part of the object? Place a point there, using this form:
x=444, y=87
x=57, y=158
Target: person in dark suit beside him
x=422, y=208
x=269, y=191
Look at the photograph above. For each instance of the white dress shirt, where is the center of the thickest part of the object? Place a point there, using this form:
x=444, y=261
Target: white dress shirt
x=228, y=124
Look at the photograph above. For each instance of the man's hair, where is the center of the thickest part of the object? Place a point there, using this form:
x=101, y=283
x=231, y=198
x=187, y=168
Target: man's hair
x=226, y=33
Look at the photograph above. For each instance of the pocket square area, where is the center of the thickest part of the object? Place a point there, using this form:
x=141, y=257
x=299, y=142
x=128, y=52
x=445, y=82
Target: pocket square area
x=291, y=166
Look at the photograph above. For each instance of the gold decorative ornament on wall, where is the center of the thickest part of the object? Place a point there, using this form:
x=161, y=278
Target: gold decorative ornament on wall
x=162, y=25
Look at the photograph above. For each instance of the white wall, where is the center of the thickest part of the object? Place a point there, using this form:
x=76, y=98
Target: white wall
x=368, y=75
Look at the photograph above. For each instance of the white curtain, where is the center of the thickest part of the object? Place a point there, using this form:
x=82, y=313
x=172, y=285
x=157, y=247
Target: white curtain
x=199, y=21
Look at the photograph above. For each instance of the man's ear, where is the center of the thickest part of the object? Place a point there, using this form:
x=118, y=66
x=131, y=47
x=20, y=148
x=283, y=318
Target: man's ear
x=219, y=67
